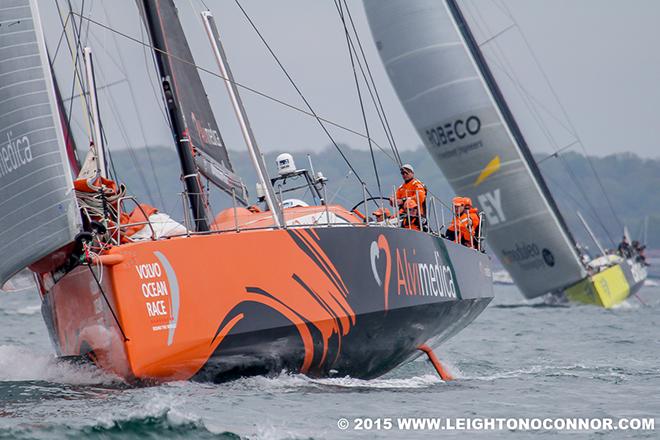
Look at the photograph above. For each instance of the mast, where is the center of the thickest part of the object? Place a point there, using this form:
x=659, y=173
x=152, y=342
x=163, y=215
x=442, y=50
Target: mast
x=241, y=115
x=188, y=167
x=99, y=147
x=507, y=115
x=591, y=234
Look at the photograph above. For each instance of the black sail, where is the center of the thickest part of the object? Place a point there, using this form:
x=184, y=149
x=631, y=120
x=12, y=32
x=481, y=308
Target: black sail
x=199, y=124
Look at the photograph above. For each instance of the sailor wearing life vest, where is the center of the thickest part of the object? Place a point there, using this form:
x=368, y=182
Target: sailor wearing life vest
x=411, y=189
x=465, y=222
x=382, y=215
x=410, y=218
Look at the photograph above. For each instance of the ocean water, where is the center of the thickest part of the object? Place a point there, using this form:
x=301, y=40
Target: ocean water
x=518, y=359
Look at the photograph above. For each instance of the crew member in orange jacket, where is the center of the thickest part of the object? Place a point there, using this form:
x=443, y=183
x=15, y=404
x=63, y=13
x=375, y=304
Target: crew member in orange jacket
x=411, y=189
x=462, y=222
x=382, y=215
x=473, y=229
x=410, y=218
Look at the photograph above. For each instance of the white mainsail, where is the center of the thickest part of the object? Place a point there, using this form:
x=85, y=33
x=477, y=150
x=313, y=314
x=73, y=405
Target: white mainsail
x=38, y=211
x=480, y=150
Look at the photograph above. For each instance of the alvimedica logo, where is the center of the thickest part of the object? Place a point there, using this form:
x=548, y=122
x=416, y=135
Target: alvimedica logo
x=14, y=154
x=415, y=278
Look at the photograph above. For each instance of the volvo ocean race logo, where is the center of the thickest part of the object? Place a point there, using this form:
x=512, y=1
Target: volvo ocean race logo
x=414, y=277
x=160, y=289
x=528, y=256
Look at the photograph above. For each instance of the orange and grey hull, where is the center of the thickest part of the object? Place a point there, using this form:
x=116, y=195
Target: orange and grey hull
x=352, y=301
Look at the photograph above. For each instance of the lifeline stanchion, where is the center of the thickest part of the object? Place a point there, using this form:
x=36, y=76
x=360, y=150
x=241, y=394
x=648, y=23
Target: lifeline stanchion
x=444, y=375
x=233, y=198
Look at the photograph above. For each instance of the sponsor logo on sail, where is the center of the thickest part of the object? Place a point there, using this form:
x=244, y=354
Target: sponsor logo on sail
x=208, y=135
x=491, y=203
x=548, y=257
x=528, y=256
x=16, y=153
x=447, y=133
x=492, y=167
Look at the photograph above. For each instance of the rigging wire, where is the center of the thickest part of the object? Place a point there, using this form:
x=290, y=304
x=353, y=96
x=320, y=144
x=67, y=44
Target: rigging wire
x=381, y=117
x=527, y=99
x=359, y=93
x=570, y=196
x=112, y=104
x=297, y=89
x=388, y=131
x=77, y=76
x=565, y=114
x=592, y=210
x=156, y=91
x=556, y=153
x=247, y=88
x=124, y=71
x=61, y=38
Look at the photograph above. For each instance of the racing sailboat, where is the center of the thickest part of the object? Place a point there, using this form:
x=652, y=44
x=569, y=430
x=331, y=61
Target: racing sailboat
x=460, y=113
x=310, y=289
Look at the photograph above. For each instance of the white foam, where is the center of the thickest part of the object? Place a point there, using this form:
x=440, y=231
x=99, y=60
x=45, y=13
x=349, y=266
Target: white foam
x=27, y=310
x=20, y=364
x=278, y=432
x=548, y=370
x=286, y=382
x=161, y=406
x=627, y=304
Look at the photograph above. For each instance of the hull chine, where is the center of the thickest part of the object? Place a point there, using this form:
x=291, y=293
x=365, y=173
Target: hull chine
x=299, y=304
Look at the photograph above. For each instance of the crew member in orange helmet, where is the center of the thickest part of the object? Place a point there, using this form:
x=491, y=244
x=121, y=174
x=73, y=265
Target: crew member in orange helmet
x=475, y=222
x=460, y=222
x=382, y=215
x=410, y=189
x=410, y=218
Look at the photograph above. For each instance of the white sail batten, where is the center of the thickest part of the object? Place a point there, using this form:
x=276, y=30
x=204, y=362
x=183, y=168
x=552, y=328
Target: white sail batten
x=38, y=210
x=432, y=70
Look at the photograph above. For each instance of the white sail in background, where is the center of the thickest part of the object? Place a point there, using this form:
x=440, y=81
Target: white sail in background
x=38, y=212
x=443, y=89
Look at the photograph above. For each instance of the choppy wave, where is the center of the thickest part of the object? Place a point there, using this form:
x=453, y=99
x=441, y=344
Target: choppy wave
x=286, y=382
x=574, y=370
x=27, y=310
x=21, y=364
x=166, y=423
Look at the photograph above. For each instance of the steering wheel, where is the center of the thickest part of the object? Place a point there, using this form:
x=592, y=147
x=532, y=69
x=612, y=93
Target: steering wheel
x=376, y=201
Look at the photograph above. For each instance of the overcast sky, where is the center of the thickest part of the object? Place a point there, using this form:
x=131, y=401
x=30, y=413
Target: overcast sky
x=600, y=58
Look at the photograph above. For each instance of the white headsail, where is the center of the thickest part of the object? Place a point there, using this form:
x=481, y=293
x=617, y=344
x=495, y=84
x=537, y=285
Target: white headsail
x=38, y=211
x=444, y=88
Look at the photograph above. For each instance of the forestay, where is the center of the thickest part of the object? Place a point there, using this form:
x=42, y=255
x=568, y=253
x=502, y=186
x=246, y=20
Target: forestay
x=442, y=87
x=200, y=124
x=38, y=211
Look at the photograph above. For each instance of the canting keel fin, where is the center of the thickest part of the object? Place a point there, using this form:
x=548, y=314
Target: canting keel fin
x=444, y=375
